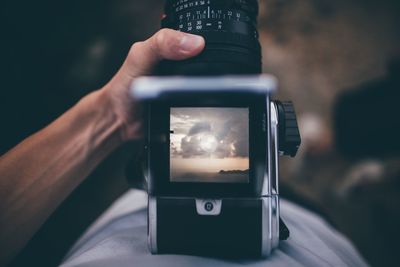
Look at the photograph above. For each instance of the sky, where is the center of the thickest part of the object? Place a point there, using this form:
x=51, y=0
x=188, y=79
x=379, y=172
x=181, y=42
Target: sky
x=209, y=140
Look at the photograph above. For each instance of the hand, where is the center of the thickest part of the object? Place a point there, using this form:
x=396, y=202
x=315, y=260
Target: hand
x=141, y=60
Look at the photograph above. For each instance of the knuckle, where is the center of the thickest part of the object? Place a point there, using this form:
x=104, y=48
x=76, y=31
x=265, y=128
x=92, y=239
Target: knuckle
x=134, y=50
x=161, y=36
x=135, y=47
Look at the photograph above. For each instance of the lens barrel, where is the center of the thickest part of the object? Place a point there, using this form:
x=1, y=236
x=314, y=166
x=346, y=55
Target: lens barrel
x=230, y=30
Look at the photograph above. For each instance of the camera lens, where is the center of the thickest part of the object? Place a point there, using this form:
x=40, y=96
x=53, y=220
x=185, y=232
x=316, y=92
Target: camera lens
x=230, y=30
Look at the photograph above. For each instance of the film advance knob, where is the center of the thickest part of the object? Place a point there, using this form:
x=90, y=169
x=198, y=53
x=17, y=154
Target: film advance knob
x=289, y=135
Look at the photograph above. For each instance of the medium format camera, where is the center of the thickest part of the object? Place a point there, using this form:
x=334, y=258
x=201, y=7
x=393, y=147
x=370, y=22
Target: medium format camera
x=214, y=137
x=212, y=164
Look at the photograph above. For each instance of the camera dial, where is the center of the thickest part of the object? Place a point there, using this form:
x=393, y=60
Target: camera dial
x=289, y=135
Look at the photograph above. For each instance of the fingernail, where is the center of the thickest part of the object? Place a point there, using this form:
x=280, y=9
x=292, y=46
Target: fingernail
x=190, y=42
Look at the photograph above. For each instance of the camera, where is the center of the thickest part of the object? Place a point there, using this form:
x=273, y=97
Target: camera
x=212, y=163
x=214, y=137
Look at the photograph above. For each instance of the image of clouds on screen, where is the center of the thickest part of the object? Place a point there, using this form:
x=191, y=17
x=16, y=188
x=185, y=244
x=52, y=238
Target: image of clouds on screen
x=209, y=132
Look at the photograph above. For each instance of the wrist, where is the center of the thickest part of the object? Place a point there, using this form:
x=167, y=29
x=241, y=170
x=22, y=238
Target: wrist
x=103, y=125
x=124, y=109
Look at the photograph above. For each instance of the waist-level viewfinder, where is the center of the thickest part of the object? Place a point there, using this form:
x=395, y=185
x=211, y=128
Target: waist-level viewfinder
x=212, y=163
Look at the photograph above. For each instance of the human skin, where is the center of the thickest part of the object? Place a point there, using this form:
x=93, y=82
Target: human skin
x=40, y=172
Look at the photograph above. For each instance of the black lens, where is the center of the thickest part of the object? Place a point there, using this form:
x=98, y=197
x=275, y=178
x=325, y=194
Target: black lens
x=230, y=30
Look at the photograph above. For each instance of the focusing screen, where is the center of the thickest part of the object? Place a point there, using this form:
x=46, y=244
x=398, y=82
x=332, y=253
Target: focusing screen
x=209, y=145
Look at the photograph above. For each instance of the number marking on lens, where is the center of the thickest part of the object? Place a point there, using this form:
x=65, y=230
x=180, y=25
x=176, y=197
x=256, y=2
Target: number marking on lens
x=196, y=15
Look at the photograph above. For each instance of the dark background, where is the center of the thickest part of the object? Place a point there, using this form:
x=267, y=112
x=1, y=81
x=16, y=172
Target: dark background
x=322, y=51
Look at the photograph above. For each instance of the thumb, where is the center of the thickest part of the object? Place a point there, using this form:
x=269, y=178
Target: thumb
x=165, y=44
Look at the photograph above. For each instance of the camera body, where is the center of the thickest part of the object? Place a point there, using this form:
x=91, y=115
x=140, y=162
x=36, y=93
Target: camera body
x=212, y=166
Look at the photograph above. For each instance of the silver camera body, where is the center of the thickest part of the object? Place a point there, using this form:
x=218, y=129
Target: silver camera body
x=216, y=218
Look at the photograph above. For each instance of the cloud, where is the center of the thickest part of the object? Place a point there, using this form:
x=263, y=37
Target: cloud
x=200, y=127
x=224, y=131
x=228, y=126
x=190, y=147
x=241, y=148
x=224, y=150
x=173, y=150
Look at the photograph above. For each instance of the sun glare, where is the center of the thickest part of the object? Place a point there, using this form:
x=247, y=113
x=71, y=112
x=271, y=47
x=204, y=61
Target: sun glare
x=208, y=143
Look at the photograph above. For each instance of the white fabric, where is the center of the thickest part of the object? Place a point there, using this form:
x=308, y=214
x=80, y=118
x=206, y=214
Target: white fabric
x=119, y=238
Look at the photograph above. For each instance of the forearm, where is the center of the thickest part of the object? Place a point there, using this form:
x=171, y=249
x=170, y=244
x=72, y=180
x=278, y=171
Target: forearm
x=37, y=175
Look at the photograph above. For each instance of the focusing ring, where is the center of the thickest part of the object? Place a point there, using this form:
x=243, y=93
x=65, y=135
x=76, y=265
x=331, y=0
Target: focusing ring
x=231, y=39
x=214, y=61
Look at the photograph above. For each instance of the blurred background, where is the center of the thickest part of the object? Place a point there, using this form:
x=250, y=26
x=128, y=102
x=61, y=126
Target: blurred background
x=337, y=60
